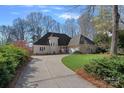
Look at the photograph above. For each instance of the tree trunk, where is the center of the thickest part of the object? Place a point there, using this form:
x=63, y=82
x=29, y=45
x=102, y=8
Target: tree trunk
x=115, y=30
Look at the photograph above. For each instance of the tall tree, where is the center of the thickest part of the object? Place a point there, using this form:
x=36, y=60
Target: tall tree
x=116, y=18
x=71, y=27
x=35, y=25
x=5, y=34
x=39, y=24
x=49, y=24
x=19, y=29
x=86, y=26
x=57, y=27
x=103, y=20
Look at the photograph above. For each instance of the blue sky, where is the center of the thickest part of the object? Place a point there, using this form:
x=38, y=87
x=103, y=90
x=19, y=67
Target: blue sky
x=59, y=13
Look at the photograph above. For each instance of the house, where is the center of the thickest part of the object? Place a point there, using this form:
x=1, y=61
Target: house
x=52, y=43
x=82, y=44
x=56, y=43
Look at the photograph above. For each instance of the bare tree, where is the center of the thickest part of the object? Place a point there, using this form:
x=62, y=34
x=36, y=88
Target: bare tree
x=5, y=34
x=19, y=28
x=57, y=27
x=85, y=20
x=35, y=25
x=86, y=26
x=50, y=24
x=71, y=27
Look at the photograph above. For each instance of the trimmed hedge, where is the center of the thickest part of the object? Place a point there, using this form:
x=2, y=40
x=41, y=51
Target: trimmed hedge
x=11, y=58
x=109, y=69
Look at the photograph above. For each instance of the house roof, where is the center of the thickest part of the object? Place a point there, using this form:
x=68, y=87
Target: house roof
x=80, y=39
x=63, y=39
x=74, y=40
x=87, y=40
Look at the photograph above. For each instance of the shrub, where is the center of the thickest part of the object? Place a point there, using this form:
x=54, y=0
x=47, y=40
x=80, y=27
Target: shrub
x=11, y=58
x=109, y=69
x=101, y=50
x=23, y=44
x=77, y=52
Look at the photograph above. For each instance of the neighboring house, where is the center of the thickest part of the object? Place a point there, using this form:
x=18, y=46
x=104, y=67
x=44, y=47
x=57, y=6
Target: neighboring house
x=52, y=43
x=82, y=44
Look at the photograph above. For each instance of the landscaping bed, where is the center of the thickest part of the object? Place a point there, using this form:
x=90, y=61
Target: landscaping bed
x=99, y=69
x=110, y=70
x=94, y=80
x=11, y=59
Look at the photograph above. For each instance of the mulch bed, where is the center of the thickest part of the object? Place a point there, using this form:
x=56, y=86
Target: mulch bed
x=94, y=80
x=17, y=75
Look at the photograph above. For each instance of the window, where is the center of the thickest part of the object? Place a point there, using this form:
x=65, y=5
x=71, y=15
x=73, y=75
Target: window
x=40, y=48
x=50, y=44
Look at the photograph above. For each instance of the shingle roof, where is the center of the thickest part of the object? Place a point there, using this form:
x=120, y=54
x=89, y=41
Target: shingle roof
x=75, y=40
x=80, y=39
x=63, y=39
x=85, y=39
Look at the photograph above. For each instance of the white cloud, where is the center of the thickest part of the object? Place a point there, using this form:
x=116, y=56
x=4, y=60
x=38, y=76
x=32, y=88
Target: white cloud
x=29, y=6
x=15, y=13
x=45, y=10
x=42, y=6
x=58, y=8
x=69, y=16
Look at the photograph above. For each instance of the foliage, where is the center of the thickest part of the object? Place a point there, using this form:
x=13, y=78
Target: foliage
x=109, y=69
x=101, y=50
x=11, y=58
x=76, y=61
x=102, y=40
x=103, y=26
x=23, y=44
x=103, y=21
x=121, y=39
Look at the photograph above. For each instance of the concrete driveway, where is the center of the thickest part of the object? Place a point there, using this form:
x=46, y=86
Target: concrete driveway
x=49, y=72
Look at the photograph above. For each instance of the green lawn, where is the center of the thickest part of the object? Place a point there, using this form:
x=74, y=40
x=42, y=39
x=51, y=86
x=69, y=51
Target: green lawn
x=76, y=61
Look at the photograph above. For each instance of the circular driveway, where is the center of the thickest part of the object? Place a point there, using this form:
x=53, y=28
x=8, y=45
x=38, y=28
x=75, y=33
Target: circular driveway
x=49, y=72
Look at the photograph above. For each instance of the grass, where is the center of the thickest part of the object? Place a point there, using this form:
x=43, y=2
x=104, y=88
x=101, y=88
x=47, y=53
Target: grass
x=76, y=61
